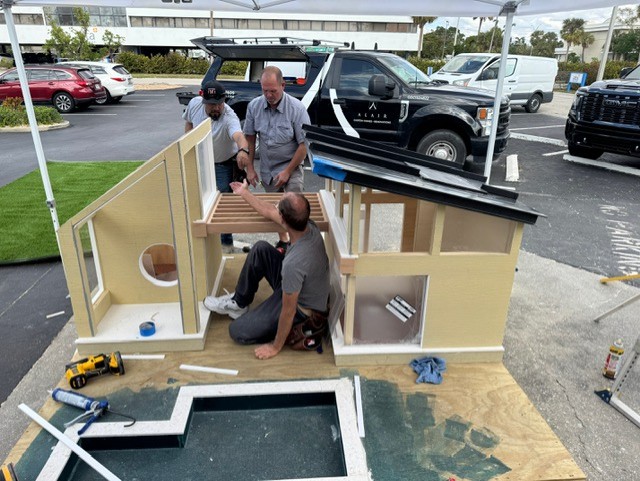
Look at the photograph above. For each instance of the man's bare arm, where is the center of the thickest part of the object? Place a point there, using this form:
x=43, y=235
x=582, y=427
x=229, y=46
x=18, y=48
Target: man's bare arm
x=265, y=209
x=187, y=127
x=285, y=323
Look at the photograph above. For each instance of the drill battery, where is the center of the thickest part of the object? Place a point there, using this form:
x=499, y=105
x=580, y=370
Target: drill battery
x=79, y=372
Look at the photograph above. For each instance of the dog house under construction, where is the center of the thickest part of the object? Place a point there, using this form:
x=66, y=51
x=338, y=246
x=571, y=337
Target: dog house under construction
x=149, y=250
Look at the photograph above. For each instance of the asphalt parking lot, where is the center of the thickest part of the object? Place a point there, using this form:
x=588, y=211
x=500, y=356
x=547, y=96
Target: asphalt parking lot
x=592, y=229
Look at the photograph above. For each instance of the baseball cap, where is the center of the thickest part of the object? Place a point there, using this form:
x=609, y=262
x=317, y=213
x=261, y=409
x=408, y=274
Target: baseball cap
x=213, y=92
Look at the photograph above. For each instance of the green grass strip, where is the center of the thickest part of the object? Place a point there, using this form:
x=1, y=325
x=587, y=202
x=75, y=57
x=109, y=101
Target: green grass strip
x=26, y=229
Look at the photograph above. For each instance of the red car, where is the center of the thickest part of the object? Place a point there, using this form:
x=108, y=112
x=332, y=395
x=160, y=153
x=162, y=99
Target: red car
x=66, y=88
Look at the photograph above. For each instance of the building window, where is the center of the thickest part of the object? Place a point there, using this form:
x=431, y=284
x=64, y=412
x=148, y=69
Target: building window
x=136, y=21
x=98, y=16
x=202, y=23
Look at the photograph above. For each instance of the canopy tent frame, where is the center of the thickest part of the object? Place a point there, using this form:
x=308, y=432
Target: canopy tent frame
x=470, y=8
x=31, y=115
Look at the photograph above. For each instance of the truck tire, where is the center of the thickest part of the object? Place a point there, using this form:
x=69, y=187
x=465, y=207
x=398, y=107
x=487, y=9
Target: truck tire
x=533, y=104
x=444, y=145
x=586, y=152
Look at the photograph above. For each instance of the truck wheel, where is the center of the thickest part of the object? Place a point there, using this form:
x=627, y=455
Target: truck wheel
x=586, y=152
x=444, y=145
x=533, y=104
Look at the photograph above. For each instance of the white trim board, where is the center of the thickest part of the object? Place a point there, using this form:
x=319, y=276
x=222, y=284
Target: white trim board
x=354, y=453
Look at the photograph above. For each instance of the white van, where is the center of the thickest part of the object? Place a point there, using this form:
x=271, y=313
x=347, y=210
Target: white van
x=528, y=80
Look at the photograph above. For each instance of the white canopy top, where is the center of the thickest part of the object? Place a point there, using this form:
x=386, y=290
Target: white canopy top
x=449, y=8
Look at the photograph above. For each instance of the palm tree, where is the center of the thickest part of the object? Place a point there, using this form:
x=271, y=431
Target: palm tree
x=570, y=32
x=585, y=39
x=482, y=19
x=420, y=22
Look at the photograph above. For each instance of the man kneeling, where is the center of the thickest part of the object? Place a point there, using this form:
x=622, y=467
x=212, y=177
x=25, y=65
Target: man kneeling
x=300, y=279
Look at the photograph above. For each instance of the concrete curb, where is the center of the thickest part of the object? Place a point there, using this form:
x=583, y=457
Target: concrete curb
x=41, y=128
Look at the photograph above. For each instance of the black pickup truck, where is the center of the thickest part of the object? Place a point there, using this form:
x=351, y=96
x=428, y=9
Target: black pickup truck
x=605, y=117
x=379, y=95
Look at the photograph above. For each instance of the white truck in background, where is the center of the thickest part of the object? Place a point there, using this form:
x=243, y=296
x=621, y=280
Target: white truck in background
x=528, y=80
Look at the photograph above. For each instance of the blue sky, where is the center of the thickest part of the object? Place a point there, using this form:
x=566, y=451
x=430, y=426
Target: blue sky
x=525, y=25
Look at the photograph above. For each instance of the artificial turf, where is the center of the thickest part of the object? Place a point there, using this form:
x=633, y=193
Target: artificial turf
x=26, y=227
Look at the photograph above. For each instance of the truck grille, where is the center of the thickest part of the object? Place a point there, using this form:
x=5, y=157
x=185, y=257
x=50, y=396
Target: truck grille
x=614, y=109
x=505, y=115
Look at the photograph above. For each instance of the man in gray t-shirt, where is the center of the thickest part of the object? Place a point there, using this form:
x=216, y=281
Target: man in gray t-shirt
x=300, y=280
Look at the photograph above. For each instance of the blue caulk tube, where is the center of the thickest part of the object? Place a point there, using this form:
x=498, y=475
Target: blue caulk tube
x=74, y=399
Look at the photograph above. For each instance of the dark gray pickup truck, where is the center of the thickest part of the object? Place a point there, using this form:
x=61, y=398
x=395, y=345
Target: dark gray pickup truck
x=372, y=94
x=605, y=117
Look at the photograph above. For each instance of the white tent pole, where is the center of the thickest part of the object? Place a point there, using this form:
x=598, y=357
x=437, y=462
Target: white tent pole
x=510, y=9
x=607, y=44
x=24, y=85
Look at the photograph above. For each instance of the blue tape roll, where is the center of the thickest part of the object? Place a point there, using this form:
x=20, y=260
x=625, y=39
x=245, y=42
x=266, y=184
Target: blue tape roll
x=147, y=329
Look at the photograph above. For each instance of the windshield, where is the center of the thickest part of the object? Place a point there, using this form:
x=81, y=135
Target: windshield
x=634, y=74
x=403, y=69
x=465, y=64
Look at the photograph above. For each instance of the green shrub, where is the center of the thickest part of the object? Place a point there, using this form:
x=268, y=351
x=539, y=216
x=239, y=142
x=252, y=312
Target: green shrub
x=170, y=64
x=235, y=68
x=611, y=70
x=6, y=63
x=16, y=117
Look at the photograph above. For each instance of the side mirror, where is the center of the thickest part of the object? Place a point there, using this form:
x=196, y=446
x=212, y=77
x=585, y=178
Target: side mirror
x=488, y=74
x=625, y=71
x=381, y=86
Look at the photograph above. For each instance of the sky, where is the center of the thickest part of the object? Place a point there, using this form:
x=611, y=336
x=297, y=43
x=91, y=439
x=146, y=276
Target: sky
x=525, y=25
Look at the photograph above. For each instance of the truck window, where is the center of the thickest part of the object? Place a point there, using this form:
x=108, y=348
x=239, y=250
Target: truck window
x=355, y=75
x=491, y=73
x=465, y=64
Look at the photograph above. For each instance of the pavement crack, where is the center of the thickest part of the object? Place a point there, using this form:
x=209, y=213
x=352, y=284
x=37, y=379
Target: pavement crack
x=26, y=291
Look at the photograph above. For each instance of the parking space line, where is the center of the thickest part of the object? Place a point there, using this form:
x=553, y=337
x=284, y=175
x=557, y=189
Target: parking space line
x=541, y=127
x=136, y=100
x=92, y=113
x=622, y=169
x=549, y=154
x=535, y=138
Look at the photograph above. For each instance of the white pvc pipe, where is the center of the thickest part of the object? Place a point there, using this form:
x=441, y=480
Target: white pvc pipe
x=214, y=370
x=607, y=44
x=510, y=9
x=60, y=436
x=28, y=103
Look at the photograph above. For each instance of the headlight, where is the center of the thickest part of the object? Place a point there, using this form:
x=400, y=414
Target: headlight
x=463, y=82
x=485, y=119
x=575, y=106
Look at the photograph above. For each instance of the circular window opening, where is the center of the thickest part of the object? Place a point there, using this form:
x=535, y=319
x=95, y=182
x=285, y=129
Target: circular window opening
x=158, y=265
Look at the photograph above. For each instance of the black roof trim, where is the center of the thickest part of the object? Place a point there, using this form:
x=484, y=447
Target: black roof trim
x=367, y=164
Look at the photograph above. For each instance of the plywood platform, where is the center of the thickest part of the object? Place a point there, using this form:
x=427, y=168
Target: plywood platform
x=477, y=425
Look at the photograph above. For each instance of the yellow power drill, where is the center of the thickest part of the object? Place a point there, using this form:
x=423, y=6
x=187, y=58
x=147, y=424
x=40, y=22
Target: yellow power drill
x=79, y=372
x=7, y=473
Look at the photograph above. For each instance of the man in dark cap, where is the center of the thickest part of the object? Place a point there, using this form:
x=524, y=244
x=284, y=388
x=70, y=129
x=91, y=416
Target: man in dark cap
x=230, y=146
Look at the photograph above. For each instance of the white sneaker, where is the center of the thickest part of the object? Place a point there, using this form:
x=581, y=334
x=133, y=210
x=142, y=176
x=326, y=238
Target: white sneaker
x=224, y=305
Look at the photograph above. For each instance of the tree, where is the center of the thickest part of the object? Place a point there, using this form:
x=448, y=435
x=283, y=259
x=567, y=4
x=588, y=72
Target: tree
x=519, y=46
x=482, y=19
x=434, y=42
x=570, y=32
x=420, y=22
x=544, y=44
x=585, y=39
x=75, y=44
x=112, y=43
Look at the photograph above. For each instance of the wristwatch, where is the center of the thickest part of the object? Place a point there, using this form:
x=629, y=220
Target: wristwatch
x=244, y=150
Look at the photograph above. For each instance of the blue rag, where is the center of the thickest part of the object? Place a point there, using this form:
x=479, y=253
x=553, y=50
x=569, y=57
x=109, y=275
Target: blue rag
x=429, y=369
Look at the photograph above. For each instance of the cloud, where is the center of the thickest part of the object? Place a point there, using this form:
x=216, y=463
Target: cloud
x=526, y=25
